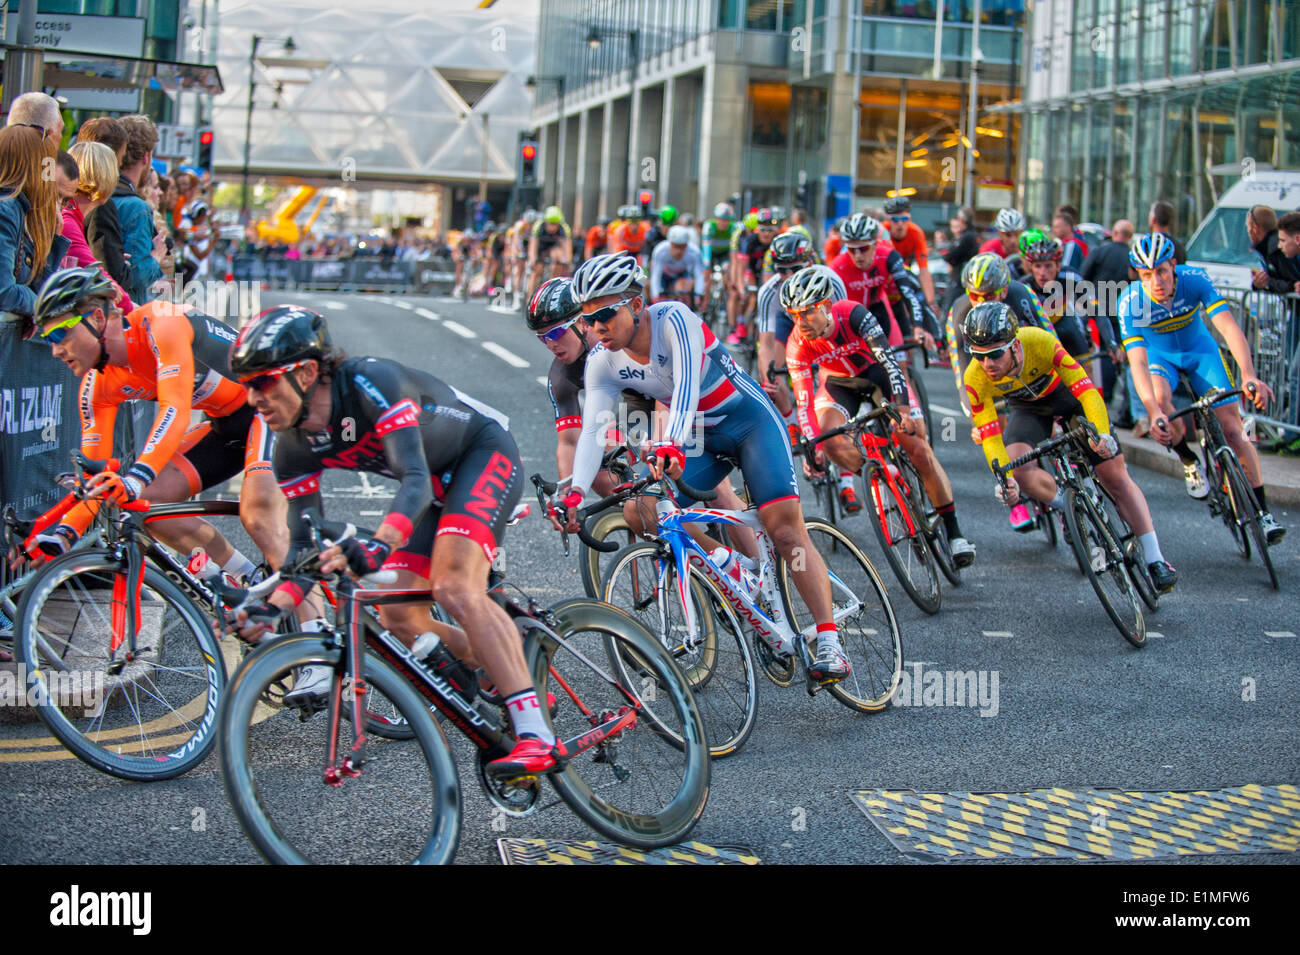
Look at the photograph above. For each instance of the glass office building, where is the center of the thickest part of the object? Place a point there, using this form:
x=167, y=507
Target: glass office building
x=1128, y=102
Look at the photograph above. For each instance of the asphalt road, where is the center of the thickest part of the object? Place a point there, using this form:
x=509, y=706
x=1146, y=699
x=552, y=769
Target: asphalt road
x=1210, y=703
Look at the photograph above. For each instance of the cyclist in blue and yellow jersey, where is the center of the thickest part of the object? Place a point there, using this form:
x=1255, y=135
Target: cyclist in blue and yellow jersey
x=1164, y=336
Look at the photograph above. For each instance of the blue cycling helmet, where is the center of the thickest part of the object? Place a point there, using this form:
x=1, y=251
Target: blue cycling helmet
x=1149, y=250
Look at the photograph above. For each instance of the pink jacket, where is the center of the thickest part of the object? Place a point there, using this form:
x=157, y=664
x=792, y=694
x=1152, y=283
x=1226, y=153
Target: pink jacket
x=74, y=230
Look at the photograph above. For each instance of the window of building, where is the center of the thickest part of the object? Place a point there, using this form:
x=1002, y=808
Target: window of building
x=761, y=14
x=769, y=114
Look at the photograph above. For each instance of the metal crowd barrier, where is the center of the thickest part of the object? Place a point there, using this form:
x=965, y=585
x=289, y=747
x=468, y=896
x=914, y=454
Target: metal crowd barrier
x=1271, y=323
x=364, y=274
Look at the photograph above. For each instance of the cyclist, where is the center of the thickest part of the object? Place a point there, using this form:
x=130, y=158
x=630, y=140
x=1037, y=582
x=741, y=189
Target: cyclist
x=715, y=247
x=789, y=252
x=597, y=238
x=177, y=357
x=631, y=236
x=458, y=475
x=844, y=340
x=1164, y=336
x=523, y=232
x=659, y=232
x=908, y=240
x=1041, y=382
x=1042, y=255
x=1009, y=223
x=683, y=365
x=676, y=268
x=551, y=241
x=748, y=262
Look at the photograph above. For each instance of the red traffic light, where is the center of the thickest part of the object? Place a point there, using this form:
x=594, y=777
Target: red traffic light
x=205, y=138
x=529, y=151
x=645, y=198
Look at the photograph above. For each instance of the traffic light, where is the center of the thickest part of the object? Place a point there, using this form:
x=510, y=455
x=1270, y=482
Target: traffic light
x=527, y=160
x=205, y=150
x=646, y=199
x=801, y=196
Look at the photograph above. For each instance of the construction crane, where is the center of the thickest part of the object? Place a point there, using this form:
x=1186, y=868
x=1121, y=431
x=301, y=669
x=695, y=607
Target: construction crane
x=283, y=227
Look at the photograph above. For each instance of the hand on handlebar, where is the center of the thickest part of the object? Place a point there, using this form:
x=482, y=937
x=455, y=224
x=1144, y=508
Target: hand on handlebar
x=903, y=422
x=1160, y=430
x=1008, y=493
x=110, y=485
x=819, y=456
x=1105, y=445
x=666, y=459
x=1257, y=392
x=921, y=335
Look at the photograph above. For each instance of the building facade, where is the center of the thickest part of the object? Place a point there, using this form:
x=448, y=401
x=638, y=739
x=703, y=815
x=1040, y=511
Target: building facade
x=700, y=100
x=1129, y=101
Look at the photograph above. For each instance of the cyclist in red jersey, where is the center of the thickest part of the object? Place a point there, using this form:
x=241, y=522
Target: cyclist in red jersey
x=846, y=343
x=874, y=276
x=1009, y=223
x=908, y=239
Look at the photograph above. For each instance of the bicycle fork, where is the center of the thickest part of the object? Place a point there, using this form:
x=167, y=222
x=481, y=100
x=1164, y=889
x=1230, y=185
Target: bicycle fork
x=127, y=585
x=350, y=768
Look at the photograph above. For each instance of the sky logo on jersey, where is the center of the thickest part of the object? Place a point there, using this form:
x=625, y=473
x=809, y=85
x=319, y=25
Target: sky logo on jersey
x=628, y=374
x=373, y=393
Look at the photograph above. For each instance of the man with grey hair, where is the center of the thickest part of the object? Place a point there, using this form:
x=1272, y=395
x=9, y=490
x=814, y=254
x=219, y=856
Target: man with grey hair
x=1106, y=272
x=39, y=110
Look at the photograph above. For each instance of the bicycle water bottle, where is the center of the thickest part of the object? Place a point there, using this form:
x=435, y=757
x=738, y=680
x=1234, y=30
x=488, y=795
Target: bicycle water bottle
x=731, y=563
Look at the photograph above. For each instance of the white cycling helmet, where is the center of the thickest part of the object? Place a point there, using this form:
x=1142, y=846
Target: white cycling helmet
x=807, y=287
x=723, y=211
x=611, y=274
x=1009, y=220
x=859, y=228
x=679, y=235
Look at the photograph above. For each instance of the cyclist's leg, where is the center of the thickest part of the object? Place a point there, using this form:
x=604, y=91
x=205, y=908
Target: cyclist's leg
x=1129, y=500
x=180, y=480
x=263, y=508
x=833, y=409
x=1024, y=430
x=1207, y=371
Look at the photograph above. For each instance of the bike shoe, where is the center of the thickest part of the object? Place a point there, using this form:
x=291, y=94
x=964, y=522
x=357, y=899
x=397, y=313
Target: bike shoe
x=849, y=500
x=830, y=666
x=1194, y=478
x=1021, y=519
x=529, y=758
x=963, y=551
x=1163, y=575
x=311, y=685
x=739, y=335
x=1273, y=531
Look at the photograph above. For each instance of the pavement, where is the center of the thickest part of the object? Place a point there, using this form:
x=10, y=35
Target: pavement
x=1281, y=474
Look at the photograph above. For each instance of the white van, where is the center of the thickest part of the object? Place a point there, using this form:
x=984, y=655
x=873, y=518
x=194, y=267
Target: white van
x=1220, y=246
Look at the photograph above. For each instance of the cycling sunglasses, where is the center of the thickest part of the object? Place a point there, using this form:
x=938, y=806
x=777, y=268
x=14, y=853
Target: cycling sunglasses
x=900, y=218
x=798, y=313
x=55, y=334
x=603, y=316
x=44, y=132
x=553, y=335
x=979, y=298
x=860, y=249
x=265, y=381
x=991, y=355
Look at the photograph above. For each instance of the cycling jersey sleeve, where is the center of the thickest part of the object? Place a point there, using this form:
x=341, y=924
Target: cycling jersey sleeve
x=697, y=261
x=603, y=391
x=657, y=271
x=910, y=289
x=803, y=383
x=863, y=324
x=1076, y=379
x=564, y=397
x=984, y=416
x=299, y=477
x=685, y=339
x=1207, y=295
x=98, y=415
x=173, y=345
x=1028, y=309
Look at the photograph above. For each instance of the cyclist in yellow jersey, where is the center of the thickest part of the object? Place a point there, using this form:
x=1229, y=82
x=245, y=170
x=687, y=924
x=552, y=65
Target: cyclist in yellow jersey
x=551, y=240
x=1041, y=382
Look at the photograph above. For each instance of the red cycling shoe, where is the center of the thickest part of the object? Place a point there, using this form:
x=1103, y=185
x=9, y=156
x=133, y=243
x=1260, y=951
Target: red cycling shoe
x=530, y=757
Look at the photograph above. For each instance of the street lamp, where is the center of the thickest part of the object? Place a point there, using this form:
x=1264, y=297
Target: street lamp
x=594, y=37
x=558, y=80
x=289, y=46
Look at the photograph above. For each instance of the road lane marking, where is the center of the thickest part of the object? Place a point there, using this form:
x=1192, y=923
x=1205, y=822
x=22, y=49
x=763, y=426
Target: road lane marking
x=425, y=313
x=543, y=381
x=505, y=354
x=503, y=310
x=1278, y=633
x=1154, y=635
x=371, y=513
x=400, y=304
x=458, y=328
x=996, y=633
x=336, y=306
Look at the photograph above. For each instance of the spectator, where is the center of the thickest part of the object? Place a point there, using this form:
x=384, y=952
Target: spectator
x=965, y=246
x=96, y=182
x=30, y=246
x=1106, y=273
x=39, y=111
x=103, y=230
x=1280, y=273
x=133, y=212
x=1288, y=242
x=66, y=175
x=1073, y=249
x=152, y=193
x=168, y=203
x=197, y=223
x=1161, y=219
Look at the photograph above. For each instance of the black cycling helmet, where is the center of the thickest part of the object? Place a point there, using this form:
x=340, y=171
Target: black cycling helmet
x=765, y=218
x=283, y=336
x=897, y=205
x=552, y=304
x=791, y=250
x=74, y=290
x=989, y=324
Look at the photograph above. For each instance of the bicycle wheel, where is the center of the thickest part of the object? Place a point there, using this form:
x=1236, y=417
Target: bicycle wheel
x=719, y=668
x=647, y=786
x=152, y=716
x=1223, y=502
x=1247, y=509
x=933, y=527
x=1105, y=567
x=923, y=399
x=613, y=524
x=1046, y=522
x=907, y=554
x=403, y=807
x=1135, y=560
x=868, y=630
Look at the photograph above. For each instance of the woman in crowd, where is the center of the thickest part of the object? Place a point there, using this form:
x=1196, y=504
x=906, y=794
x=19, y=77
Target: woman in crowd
x=30, y=244
x=97, y=178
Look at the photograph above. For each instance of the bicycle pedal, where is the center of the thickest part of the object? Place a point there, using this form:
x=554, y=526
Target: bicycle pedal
x=813, y=687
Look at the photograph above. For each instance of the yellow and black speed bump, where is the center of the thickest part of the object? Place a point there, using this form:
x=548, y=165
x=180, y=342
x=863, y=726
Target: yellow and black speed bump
x=559, y=852
x=1089, y=824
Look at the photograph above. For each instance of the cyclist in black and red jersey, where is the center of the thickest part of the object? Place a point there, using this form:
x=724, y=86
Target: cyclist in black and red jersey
x=458, y=475
x=749, y=258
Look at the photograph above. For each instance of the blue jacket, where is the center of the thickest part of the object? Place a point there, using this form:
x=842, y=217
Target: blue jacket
x=16, y=251
x=136, y=218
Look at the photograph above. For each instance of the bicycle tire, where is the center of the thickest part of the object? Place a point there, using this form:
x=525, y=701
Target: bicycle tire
x=1244, y=503
x=721, y=671
x=592, y=781
x=611, y=522
x=903, y=552
x=1106, y=568
x=870, y=636
x=1046, y=522
x=1222, y=501
x=933, y=527
x=923, y=399
x=1135, y=558
x=171, y=689
x=314, y=820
